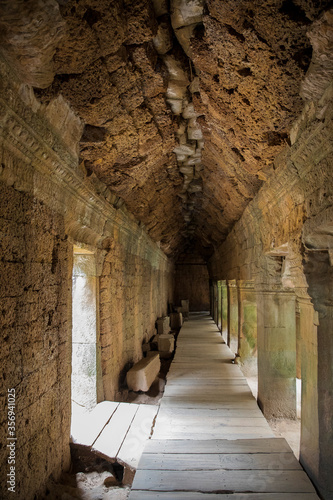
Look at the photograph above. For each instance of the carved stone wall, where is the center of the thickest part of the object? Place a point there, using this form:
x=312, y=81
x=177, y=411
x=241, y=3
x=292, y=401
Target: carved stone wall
x=192, y=282
x=134, y=291
x=35, y=284
x=48, y=203
x=290, y=222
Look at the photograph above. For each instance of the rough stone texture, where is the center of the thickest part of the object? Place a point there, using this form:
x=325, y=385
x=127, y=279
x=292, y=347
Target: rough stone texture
x=108, y=69
x=287, y=225
x=133, y=292
x=192, y=282
x=166, y=343
x=29, y=35
x=35, y=285
x=163, y=325
x=47, y=203
x=240, y=68
x=143, y=373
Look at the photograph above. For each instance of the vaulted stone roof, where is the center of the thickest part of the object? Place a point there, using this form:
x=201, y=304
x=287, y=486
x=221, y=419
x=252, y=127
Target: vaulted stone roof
x=185, y=104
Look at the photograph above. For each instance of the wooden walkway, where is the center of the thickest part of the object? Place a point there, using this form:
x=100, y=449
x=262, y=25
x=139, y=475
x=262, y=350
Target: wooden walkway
x=210, y=440
x=117, y=432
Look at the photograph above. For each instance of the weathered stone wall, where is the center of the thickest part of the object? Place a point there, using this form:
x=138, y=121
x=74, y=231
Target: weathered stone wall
x=286, y=226
x=35, y=339
x=192, y=282
x=48, y=204
x=134, y=291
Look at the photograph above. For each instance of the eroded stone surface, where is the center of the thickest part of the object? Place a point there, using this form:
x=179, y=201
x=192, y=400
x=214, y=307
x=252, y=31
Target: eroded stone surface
x=240, y=64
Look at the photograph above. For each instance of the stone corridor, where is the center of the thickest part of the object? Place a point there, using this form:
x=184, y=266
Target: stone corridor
x=210, y=440
x=160, y=157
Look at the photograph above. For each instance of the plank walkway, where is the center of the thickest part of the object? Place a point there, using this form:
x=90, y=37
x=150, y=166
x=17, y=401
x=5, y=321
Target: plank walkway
x=115, y=431
x=210, y=440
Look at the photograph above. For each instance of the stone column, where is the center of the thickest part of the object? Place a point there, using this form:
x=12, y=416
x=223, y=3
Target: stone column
x=276, y=319
x=319, y=274
x=211, y=292
x=309, y=449
x=247, y=315
x=224, y=329
x=215, y=302
x=219, y=305
x=233, y=316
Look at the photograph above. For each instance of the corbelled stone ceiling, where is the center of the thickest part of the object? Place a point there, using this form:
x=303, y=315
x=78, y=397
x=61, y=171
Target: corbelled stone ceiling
x=185, y=103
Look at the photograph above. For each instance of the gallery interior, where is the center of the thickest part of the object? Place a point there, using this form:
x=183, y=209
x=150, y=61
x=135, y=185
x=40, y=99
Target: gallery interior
x=152, y=152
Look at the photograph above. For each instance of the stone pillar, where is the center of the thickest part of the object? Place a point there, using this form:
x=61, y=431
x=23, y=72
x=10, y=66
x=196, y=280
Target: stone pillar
x=247, y=348
x=215, y=302
x=84, y=331
x=309, y=449
x=219, y=305
x=224, y=329
x=319, y=274
x=233, y=316
x=276, y=315
x=211, y=292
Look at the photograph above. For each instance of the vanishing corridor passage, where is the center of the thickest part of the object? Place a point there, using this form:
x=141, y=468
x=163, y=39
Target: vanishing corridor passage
x=210, y=439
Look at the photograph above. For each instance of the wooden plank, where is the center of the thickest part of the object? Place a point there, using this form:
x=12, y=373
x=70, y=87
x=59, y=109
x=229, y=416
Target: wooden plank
x=204, y=402
x=272, y=481
x=192, y=423
x=182, y=495
x=112, y=437
x=86, y=426
x=196, y=380
x=249, y=433
x=235, y=390
x=204, y=461
x=271, y=445
x=137, y=435
x=189, y=413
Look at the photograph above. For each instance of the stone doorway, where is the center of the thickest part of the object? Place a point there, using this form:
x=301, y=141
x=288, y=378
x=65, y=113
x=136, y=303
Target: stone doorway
x=85, y=360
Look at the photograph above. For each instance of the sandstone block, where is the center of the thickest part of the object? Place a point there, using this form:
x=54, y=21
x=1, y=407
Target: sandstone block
x=166, y=343
x=163, y=325
x=142, y=374
x=176, y=320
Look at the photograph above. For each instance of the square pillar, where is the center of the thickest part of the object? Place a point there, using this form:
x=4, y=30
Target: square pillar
x=232, y=316
x=219, y=305
x=247, y=349
x=224, y=304
x=211, y=294
x=309, y=449
x=276, y=320
x=215, y=302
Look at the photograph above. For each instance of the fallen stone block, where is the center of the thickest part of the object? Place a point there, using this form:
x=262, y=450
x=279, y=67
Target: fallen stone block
x=185, y=308
x=166, y=343
x=176, y=320
x=163, y=325
x=142, y=374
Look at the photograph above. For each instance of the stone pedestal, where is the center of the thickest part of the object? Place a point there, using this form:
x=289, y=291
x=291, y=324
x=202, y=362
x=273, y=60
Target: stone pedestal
x=185, y=308
x=166, y=343
x=163, y=325
x=277, y=353
x=233, y=316
x=176, y=320
x=247, y=348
